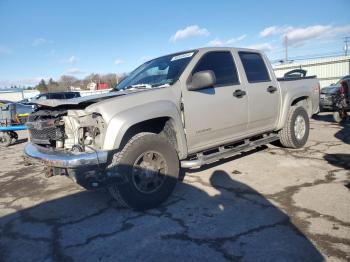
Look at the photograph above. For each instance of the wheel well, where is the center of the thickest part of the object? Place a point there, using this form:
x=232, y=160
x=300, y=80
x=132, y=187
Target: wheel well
x=160, y=125
x=305, y=102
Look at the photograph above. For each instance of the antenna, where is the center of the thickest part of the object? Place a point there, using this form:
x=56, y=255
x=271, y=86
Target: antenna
x=346, y=46
x=286, y=48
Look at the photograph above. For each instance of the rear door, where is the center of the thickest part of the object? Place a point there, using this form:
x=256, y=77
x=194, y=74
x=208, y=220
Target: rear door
x=263, y=92
x=215, y=115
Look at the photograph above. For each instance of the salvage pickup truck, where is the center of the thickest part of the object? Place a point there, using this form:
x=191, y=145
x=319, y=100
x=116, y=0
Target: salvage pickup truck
x=181, y=110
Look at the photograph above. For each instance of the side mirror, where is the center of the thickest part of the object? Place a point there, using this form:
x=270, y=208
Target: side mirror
x=201, y=80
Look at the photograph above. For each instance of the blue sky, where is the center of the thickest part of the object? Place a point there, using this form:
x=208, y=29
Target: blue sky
x=42, y=39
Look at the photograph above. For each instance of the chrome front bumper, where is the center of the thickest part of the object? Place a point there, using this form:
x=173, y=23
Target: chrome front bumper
x=61, y=159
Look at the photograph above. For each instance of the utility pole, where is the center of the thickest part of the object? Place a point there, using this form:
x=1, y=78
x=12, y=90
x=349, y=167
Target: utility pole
x=286, y=48
x=346, y=46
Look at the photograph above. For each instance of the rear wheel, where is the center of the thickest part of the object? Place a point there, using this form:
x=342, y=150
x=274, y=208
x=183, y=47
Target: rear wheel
x=149, y=166
x=296, y=130
x=340, y=116
x=14, y=136
x=5, y=139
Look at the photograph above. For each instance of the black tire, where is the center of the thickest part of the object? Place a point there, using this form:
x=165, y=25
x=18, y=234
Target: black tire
x=5, y=139
x=339, y=117
x=129, y=193
x=14, y=136
x=291, y=138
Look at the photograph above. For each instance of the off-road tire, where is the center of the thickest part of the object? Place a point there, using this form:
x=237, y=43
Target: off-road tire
x=126, y=193
x=14, y=136
x=5, y=139
x=339, y=117
x=287, y=135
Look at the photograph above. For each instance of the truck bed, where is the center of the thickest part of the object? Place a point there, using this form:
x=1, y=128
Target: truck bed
x=303, y=84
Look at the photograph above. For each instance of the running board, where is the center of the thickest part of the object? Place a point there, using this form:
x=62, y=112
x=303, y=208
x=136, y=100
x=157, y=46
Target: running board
x=224, y=152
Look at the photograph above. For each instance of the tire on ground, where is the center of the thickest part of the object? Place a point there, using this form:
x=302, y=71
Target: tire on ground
x=127, y=193
x=288, y=136
x=5, y=139
x=339, y=117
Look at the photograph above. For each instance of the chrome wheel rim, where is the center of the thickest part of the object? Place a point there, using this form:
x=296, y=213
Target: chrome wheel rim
x=299, y=127
x=148, y=173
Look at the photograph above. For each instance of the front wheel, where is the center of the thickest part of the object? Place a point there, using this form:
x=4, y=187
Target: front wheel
x=149, y=166
x=296, y=130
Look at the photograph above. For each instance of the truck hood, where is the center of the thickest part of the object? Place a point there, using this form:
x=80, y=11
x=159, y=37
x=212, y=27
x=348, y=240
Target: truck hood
x=83, y=101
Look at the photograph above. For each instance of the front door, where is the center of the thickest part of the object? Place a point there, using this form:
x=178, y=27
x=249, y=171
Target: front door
x=216, y=114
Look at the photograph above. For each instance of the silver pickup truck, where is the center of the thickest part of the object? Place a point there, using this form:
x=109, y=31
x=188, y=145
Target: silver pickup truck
x=180, y=110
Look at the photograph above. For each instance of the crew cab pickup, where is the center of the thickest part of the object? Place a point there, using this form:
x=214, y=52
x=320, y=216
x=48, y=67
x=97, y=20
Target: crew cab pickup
x=181, y=110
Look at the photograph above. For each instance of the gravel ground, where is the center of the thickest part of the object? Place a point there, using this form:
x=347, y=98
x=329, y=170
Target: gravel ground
x=272, y=204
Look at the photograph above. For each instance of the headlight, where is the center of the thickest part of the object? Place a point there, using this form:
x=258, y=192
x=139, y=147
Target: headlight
x=85, y=130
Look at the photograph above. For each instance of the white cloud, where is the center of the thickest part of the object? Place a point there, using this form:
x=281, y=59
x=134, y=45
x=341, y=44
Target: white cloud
x=266, y=47
x=301, y=35
x=274, y=30
x=39, y=41
x=218, y=42
x=72, y=60
x=4, y=50
x=188, y=32
x=118, y=61
x=74, y=71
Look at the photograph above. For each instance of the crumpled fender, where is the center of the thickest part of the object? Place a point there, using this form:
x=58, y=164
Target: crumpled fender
x=122, y=121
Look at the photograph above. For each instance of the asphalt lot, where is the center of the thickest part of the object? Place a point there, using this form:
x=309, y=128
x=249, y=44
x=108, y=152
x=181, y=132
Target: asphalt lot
x=270, y=205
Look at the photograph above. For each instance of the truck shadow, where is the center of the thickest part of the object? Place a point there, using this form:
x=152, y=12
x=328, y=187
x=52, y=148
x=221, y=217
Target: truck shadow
x=327, y=117
x=214, y=220
x=344, y=133
x=338, y=160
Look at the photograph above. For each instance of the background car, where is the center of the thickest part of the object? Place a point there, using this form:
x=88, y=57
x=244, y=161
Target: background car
x=57, y=95
x=3, y=102
x=329, y=93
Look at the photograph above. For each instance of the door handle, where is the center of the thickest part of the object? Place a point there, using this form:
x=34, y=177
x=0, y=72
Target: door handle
x=271, y=89
x=239, y=93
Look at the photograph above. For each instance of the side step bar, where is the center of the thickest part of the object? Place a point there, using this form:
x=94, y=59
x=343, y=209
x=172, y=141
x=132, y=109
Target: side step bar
x=224, y=152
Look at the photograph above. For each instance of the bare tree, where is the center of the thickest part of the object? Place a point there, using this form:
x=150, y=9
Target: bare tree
x=66, y=82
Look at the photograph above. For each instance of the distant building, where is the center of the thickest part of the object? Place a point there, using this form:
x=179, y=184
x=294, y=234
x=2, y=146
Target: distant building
x=75, y=88
x=17, y=94
x=101, y=86
x=328, y=69
x=91, y=86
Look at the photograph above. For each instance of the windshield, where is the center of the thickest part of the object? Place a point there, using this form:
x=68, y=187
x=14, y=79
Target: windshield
x=159, y=71
x=330, y=90
x=342, y=79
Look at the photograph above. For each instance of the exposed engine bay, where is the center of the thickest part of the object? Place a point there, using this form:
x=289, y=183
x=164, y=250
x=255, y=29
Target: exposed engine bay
x=73, y=130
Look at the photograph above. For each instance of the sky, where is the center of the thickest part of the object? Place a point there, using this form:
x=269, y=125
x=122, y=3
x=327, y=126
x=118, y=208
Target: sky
x=44, y=39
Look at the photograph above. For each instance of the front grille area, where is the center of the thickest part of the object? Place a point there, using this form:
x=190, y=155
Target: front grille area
x=45, y=128
x=52, y=133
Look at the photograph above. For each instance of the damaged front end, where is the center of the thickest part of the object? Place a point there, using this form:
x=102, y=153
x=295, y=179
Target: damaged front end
x=71, y=130
x=69, y=142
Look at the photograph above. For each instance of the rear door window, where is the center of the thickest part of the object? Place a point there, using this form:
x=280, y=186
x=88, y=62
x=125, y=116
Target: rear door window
x=221, y=63
x=254, y=67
